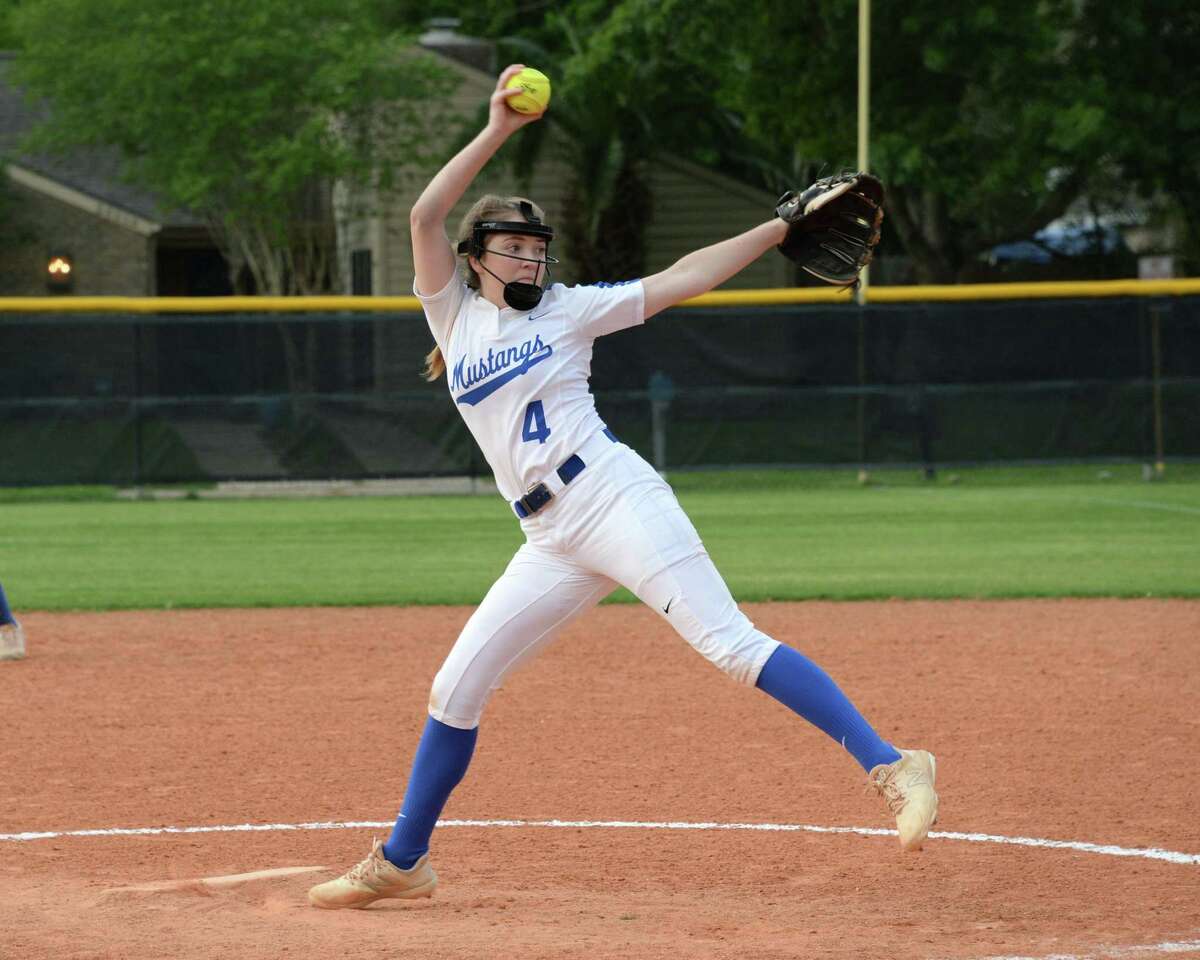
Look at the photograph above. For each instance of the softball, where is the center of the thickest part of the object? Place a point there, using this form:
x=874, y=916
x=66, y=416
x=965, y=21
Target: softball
x=536, y=85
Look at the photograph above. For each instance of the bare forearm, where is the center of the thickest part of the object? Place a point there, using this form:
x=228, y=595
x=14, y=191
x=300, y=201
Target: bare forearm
x=708, y=267
x=711, y=266
x=451, y=182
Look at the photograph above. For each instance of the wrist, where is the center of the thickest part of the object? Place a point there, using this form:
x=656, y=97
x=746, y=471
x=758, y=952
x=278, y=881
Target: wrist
x=495, y=133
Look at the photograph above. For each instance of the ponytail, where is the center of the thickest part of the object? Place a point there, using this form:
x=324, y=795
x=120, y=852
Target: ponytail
x=435, y=364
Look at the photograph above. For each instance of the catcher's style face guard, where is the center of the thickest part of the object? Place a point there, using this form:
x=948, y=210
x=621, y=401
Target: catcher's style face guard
x=518, y=295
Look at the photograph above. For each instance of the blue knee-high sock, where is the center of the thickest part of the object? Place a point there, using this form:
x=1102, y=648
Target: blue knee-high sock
x=441, y=761
x=798, y=683
x=6, y=615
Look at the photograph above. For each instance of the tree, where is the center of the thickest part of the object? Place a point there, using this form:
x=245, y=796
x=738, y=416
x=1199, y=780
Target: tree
x=247, y=114
x=978, y=126
x=1144, y=58
x=8, y=36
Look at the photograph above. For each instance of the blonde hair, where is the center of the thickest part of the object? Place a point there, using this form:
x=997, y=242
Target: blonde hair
x=491, y=206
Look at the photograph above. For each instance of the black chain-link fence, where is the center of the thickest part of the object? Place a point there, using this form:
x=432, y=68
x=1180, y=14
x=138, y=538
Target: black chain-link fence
x=125, y=399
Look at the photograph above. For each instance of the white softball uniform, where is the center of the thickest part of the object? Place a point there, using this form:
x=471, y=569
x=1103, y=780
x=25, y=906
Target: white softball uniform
x=598, y=516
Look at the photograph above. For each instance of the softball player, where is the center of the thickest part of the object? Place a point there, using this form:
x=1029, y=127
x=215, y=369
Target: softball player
x=516, y=352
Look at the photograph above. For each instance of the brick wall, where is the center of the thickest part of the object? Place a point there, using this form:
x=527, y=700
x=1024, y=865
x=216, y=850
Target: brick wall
x=109, y=260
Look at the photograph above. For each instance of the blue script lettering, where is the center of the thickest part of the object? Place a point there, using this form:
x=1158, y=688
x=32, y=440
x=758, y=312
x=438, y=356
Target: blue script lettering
x=491, y=372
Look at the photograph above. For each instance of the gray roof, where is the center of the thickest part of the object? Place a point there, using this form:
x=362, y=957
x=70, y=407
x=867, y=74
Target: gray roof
x=95, y=171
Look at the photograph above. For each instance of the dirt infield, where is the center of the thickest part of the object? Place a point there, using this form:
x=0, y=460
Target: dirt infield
x=1052, y=720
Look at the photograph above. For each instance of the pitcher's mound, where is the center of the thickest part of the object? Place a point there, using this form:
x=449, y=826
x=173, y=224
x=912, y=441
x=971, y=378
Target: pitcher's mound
x=203, y=885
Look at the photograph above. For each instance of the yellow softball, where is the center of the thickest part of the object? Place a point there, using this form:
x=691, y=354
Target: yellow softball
x=536, y=85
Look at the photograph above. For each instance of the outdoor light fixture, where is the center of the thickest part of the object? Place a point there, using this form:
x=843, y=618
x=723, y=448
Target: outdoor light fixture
x=60, y=272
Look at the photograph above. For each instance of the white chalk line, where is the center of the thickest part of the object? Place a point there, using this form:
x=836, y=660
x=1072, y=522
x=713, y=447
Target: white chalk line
x=1110, y=850
x=1044, y=497
x=1143, y=505
x=1113, y=953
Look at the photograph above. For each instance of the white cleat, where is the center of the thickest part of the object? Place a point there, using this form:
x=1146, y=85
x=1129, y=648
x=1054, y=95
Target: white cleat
x=375, y=878
x=907, y=786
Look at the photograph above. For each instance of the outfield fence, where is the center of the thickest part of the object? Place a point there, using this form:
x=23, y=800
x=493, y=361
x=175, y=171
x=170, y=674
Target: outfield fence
x=165, y=390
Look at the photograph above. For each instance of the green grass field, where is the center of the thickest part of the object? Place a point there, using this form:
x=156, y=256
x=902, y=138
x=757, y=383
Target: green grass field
x=775, y=535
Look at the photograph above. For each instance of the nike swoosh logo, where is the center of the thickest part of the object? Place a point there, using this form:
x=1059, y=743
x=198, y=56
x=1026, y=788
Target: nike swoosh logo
x=538, y=317
x=485, y=390
x=667, y=608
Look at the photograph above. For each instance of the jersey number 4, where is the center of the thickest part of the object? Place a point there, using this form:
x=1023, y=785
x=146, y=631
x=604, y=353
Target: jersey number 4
x=535, y=423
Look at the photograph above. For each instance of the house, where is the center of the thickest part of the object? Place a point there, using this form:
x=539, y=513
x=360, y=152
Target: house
x=78, y=210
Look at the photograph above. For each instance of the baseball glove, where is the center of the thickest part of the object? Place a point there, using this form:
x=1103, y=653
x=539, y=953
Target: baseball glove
x=834, y=226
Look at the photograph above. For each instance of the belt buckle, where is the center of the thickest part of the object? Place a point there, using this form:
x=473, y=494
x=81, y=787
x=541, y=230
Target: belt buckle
x=537, y=497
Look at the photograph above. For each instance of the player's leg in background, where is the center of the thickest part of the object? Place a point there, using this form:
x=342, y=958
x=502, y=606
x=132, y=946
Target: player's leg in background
x=12, y=638
x=6, y=614
x=525, y=609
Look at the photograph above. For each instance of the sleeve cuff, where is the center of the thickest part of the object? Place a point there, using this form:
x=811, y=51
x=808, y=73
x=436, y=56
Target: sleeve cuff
x=441, y=294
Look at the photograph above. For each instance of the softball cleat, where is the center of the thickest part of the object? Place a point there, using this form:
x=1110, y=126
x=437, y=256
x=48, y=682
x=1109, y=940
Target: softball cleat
x=907, y=786
x=376, y=878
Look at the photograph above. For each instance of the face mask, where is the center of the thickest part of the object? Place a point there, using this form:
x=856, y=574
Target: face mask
x=522, y=296
x=518, y=295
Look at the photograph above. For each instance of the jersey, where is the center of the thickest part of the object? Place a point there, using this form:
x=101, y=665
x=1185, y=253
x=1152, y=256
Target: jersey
x=519, y=378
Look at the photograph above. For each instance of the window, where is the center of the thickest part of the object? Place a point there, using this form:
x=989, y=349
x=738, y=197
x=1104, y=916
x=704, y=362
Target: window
x=360, y=273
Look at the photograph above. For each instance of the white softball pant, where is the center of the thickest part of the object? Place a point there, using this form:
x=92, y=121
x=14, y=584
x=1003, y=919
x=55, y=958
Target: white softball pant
x=616, y=523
